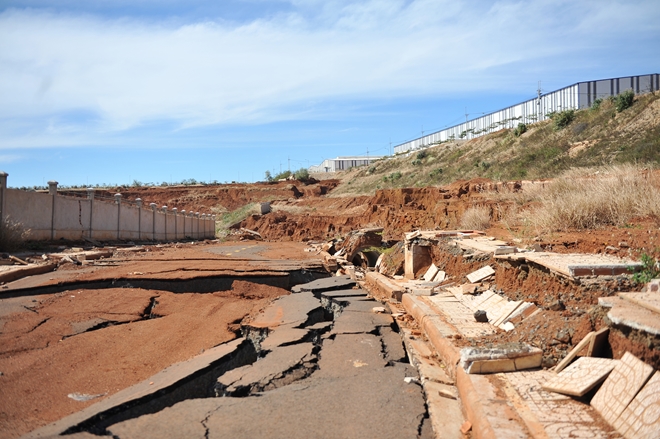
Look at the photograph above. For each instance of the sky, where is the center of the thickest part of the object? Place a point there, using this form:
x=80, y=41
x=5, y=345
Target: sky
x=117, y=91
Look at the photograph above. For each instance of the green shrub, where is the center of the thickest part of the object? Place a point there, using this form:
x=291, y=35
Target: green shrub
x=563, y=119
x=520, y=130
x=624, y=100
x=422, y=155
x=394, y=176
x=416, y=162
x=435, y=173
x=282, y=175
x=301, y=174
x=595, y=105
x=648, y=272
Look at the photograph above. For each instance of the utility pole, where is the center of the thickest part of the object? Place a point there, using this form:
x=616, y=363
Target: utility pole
x=390, y=146
x=466, y=115
x=289, y=159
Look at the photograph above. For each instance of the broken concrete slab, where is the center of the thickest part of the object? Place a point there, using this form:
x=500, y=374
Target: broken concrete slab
x=641, y=418
x=360, y=322
x=10, y=273
x=375, y=404
x=392, y=345
x=326, y=284
x=581, y=376
x=350, y=354
x=621, y=386
x=480, y=274
x=635, y=316
x=439, y=277
x=504, y=358
x=159, y=391
x=598, y=342
x=345, y=293
x=278, y=368
x=294, y=309
x=383, y=287
x=283, y=335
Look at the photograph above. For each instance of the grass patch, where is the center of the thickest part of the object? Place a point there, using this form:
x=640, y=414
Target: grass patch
x=476, y=218
x=12, y=235
x=616, y=196
x=228, y=219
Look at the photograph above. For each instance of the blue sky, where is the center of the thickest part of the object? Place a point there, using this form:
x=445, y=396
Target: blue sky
x=112, y=91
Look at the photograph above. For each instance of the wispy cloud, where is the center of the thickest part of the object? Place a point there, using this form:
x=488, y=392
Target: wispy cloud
x=66, y=73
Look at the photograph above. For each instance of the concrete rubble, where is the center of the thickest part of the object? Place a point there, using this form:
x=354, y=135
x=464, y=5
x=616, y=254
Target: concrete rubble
x=499, y=387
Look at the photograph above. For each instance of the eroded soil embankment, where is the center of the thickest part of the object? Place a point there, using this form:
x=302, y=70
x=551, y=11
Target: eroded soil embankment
x=397, y=210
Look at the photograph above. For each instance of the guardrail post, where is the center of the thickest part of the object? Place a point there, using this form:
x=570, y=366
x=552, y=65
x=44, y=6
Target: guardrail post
x=52, y=191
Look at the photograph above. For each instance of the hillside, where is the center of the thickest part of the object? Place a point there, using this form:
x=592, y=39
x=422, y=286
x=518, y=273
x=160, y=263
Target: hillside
x=595, y=137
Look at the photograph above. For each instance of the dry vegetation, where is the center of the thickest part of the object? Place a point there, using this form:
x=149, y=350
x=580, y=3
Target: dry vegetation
x=476, y=218
x=12, y=235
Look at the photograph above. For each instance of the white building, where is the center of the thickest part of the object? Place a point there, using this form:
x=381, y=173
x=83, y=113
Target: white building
x=343, y=163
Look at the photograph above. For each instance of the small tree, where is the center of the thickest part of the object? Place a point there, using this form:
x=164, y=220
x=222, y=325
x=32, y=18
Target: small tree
x=624, y=100
x=268, y=176
x=301, y=174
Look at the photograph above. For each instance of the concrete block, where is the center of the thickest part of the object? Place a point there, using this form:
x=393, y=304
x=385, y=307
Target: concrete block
x=480, y=274
x=504, y=358
x=505, y=250
x=416, y=257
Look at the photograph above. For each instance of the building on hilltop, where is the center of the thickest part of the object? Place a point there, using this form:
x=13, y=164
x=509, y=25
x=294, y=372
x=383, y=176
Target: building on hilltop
x=577, y=96
x=343, y=163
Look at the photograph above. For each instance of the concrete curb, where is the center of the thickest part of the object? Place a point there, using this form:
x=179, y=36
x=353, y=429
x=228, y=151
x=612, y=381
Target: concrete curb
x=482, y=408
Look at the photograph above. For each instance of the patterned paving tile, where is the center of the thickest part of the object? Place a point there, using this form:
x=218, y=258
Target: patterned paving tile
x=461, y=317
x=561, y=416
x=620, y=387
x=581, y=376
x=641, y=419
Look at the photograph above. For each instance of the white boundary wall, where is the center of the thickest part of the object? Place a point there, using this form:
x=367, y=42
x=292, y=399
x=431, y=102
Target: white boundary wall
x=576, y=96
x=51, y=216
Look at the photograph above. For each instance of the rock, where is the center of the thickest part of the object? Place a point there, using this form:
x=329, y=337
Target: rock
x=557, y=305
x=563, y=336
x=466, y=427
x=481, y=316
x=624, y=244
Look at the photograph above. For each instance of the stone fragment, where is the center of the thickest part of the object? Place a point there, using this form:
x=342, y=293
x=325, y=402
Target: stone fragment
x=504, y=358
x=505, y=250
x=481, y=316
x=466, y=427
x=556, y=305
x=469, y=288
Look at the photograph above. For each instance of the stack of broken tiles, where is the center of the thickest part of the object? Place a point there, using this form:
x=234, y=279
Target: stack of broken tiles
x=510, y=357
x=500, y=311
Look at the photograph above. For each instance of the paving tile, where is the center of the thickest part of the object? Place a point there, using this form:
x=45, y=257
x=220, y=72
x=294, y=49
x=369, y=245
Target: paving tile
x=480, y=274
x=649, y=301
x=581, y=376
x=620, y=387
x=504, y=358
x=430, y=273
x=460, y=316
x=560, y=416
x=598, y=342
x=641, y=419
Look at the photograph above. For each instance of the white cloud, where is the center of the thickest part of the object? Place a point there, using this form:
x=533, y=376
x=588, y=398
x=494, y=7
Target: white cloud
x=121, y=73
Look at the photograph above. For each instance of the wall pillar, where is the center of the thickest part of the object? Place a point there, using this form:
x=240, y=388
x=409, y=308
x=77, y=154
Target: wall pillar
x=165, y=212
x=183, y=216
x=197, y=224
x=416, y=258
x=153, y=227
x=176, y=231
x=90, y=197
x=3, y=187
x=52, y=191
x=118, y=201
x=138, y=201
